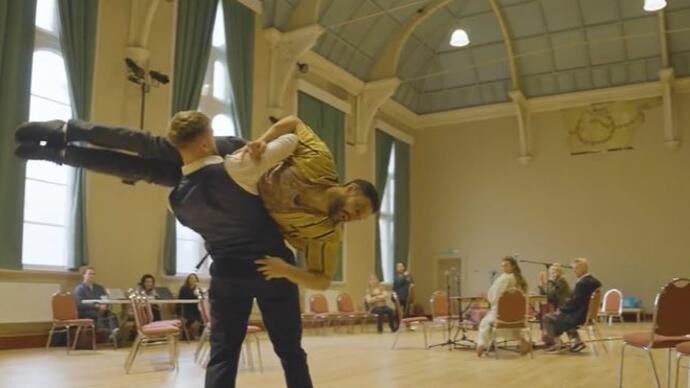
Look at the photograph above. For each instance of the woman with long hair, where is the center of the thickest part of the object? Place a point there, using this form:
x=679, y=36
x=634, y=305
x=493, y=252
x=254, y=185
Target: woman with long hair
x=147, y=285
x=190, y=312
x=510, y=278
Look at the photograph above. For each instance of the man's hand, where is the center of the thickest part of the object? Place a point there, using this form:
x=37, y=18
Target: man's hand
x=274, y=268
x=255, y=149
x=542, y=278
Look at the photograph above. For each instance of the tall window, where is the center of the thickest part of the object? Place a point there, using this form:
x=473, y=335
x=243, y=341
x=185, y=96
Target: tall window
x=216, y=100
x=386, y=221
x=47, y=184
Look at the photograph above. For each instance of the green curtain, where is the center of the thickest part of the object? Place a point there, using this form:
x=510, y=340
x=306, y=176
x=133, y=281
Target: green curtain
x=401, y=215
x=195, y=19
x=329, y=124
x=384, y=146
x=17, y=30
x=239, y=41
x=78, y=41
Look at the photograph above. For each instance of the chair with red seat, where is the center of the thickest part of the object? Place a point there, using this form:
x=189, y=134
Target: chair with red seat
x=65, y=317
x=671, y=326
x=151, y=333
x=612, y=306
x=408, y=322
x=202, y=353
x=348, y=314
x=512, y=314
x=441, y=311
x=318, y=305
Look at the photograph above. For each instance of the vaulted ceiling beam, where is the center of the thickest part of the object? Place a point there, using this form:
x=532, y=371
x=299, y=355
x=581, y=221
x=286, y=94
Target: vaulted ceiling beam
x=508, y=40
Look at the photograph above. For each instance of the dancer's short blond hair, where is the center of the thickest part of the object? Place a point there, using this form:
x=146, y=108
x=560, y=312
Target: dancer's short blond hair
x=187, y=126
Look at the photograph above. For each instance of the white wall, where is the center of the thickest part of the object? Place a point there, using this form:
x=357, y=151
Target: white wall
x=628, y=212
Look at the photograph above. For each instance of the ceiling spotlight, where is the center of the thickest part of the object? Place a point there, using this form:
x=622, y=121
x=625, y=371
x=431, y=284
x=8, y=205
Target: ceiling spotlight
x=654, y=5
x=459, y=38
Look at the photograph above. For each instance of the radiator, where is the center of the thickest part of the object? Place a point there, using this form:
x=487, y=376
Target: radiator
x=26, y=302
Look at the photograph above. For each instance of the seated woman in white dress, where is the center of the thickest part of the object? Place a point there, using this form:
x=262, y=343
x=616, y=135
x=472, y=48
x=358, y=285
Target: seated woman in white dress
x=511, y=277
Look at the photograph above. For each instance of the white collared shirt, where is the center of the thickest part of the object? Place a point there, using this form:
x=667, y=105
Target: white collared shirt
x=582, y=277
x=244, y=170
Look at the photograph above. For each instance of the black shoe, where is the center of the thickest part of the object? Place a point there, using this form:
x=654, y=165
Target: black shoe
x=37, y=131
x=34, y=151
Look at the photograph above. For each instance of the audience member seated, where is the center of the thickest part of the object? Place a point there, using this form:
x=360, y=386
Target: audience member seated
x=510, y=278
x=573, y=312
x=147, y=285
x=105, y=320
x=555, y=288
x=401, y=286
x=190, y=312
x=377, y=301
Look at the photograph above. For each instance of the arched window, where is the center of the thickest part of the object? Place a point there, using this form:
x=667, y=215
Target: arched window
x=216, y=103
x=47, y=184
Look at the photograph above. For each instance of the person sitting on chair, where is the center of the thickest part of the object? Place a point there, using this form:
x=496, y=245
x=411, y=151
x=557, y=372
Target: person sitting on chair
x=573, y=312
x=401, y=286
x=376, y=299
x=147, y=285
x=510, y=278
x=99, y=312
x=190, y=312
x=555, y=288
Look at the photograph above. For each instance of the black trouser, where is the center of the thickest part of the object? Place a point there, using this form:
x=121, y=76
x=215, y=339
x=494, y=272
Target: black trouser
x=556, y=324
x=380, y=311
x=403, y=306
x=231, y=303
x=156, y=161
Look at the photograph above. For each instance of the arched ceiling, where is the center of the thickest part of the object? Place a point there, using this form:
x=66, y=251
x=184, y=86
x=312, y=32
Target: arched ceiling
x=559, y=46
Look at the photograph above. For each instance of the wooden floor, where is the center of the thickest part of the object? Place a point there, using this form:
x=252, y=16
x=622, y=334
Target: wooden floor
x=342, y=360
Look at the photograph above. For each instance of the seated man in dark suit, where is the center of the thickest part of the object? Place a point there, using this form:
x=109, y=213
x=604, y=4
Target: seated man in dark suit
x=573, y=312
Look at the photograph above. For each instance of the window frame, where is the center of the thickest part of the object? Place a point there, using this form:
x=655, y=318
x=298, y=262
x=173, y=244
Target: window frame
x=211, y=106
x=45, y=40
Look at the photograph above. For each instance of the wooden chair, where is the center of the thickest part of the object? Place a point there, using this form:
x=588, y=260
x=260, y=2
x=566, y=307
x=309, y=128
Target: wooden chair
x=65, y=317
x=671, y=326
x=612, y=306
x=511, y=314
x=590, y=325
x=151, y=333
x=408, y=322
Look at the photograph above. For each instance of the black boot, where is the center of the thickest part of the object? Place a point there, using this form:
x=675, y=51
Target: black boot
x=37, y=131
x=35, y=151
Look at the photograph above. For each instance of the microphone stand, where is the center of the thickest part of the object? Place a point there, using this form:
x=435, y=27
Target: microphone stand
x=450, y=342
x=464, y=341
